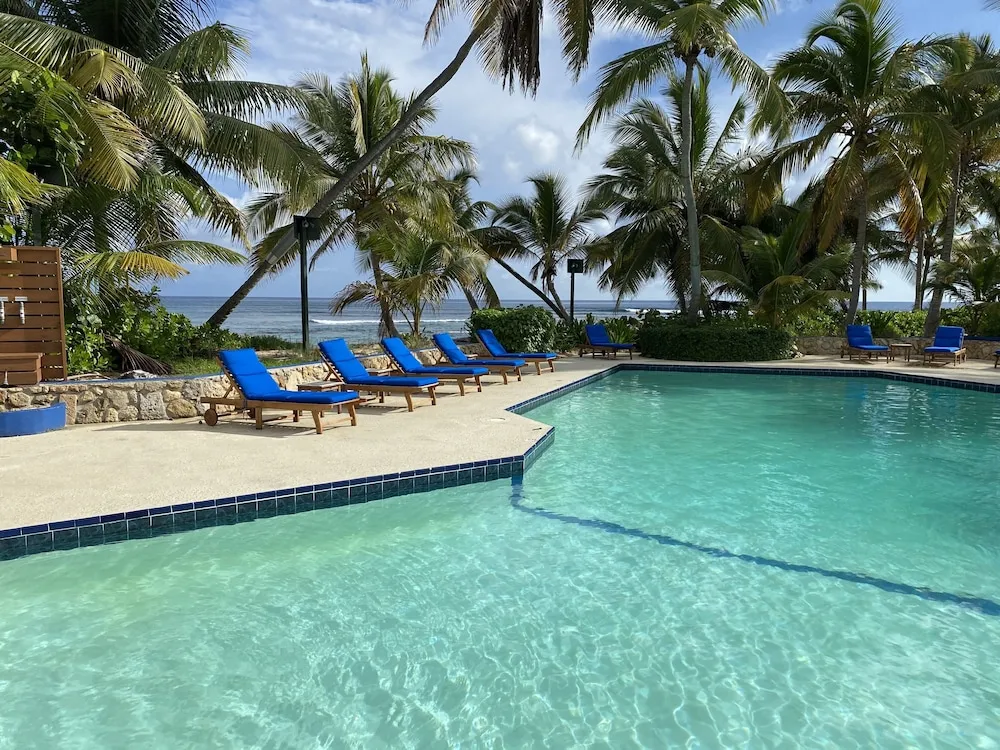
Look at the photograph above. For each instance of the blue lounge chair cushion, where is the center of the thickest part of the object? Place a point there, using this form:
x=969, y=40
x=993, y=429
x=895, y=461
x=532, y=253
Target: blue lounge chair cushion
x=257, y=384
x=456, y=356
x=942, y=349
x=597, y=335
x=409, y=364
x=860, y=337
x=494, y=347
x=339, y=354
x=947, y=339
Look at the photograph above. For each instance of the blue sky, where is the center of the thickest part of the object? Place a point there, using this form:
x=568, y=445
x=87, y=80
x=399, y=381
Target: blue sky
x=514, y=136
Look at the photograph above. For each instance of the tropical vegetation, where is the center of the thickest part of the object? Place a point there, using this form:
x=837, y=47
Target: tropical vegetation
x=117, y=121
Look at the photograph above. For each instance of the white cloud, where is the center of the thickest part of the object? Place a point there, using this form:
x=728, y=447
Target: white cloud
x=542, y=142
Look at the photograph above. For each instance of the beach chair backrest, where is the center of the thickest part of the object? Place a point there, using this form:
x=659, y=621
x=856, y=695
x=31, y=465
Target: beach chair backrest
x=491, y=342
x=598, y=334
x=403, y=357
x=950, y=336
x=249, y=372
x=447, y=344
x=339, y=354
x=858, y=335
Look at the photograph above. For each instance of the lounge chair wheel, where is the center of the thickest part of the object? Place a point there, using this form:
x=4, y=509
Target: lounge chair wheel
x=211, y=417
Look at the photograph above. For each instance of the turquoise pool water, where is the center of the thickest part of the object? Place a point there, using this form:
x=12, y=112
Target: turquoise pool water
x=701, y=561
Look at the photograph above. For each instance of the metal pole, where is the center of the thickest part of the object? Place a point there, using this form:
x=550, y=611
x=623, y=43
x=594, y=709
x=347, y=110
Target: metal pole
x=572, y=296
x=304, y=282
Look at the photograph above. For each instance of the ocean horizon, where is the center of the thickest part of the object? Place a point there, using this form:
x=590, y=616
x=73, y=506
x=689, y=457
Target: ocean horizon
x=280, y=316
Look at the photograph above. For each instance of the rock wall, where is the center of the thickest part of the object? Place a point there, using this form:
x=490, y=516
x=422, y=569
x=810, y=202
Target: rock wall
x=93, y=401
x=832, y=344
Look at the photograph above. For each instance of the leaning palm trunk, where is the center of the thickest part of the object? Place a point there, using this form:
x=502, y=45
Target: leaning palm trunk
x=918, y=283
x=417, y=105
x=860, y=255
x=550, y=282
x=470, y=298
x=538, y=292
x=689, y=200
x=947, y=243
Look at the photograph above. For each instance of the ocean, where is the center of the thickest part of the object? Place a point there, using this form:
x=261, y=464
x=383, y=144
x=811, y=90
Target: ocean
x=280, y=316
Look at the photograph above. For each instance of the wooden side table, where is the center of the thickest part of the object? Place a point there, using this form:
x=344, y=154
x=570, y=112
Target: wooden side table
x=905, y=349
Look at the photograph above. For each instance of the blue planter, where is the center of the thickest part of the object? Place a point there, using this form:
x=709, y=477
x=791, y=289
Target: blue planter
x=32, y=421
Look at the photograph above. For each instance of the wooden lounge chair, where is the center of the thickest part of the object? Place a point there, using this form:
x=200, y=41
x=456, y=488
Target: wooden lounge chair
x=347, y=368
x=253, y=388
x=495, y=348
x=996, y=359
x=409, y=365
x=599, y=342
x=860, y=342
x=455, y=357
x=949, y=344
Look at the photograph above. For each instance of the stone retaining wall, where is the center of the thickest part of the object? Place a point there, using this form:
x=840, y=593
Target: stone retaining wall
x=832, y=344
x=93, y=401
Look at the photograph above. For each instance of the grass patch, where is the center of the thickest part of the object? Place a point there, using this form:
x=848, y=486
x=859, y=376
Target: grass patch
x=210, y=365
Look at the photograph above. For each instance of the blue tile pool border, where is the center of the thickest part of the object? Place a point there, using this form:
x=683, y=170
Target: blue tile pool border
x=172, y=519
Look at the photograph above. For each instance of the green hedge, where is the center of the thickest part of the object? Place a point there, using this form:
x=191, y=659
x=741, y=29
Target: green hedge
x=712, y=342
x=519, y=329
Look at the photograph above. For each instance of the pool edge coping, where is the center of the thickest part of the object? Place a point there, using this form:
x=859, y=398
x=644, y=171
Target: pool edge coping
x=146, y=523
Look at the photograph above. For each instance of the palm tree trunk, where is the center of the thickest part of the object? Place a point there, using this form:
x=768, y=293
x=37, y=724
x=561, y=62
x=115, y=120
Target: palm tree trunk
x=388, y=325
x=918, y=277
x=687, y=127
x=538, y=292
x=355, y=171
x=550, y=282
x=470, y=298
x=227, y=307
x=947, y=243
x=860, y=254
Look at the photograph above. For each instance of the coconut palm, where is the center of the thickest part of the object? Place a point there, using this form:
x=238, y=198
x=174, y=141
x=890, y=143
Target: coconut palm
x=643, y=187
x=507, y=35
x=972, y=276
x=156, y=107
x=419, y=270
x=544, y=229
x=851, y=87
x=967, y=93
x=340, y=122
x=773, y=275
x=685, y=32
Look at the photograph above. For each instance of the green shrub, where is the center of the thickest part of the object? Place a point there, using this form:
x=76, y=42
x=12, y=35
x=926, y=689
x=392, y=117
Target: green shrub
x=721, y=341
x=519, y=329
x=893, y=324
x=569, y=336
x=978, y=320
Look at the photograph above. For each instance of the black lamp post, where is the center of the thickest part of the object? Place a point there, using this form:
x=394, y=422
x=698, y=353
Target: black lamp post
x=574, y=266
x=306, y=229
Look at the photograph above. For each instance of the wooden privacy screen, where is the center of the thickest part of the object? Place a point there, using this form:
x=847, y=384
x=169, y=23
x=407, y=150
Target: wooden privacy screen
x=34, y=273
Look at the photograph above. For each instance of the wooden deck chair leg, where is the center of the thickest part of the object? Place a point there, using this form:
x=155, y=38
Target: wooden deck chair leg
x=354, y=415
x=461, y=386
x=317, y=420
x=430, y=392
x=518, y=371
x=409, y=401
x=295, y=415
x=538, y=366
x=552, y=366
x=479, y=383
x=259, y=417
x=503, y=374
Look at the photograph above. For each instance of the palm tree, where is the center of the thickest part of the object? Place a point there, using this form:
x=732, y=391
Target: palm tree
x=166, y=109
x=544, y=229
x=644, y=188
x=772, y=274
x=684, y=32
x=340, y=122
x=972, y=277
x=419, y=270
x=852, y=90
x=968, y=95
x=507, y=34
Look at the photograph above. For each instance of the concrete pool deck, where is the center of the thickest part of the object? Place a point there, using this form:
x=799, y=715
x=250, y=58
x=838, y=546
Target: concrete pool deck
x=91, y=470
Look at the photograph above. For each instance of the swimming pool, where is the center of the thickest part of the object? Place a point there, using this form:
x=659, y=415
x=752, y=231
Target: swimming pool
x=701, y=560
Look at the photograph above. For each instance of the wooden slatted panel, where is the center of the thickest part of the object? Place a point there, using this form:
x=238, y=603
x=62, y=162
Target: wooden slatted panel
x=35, y=273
